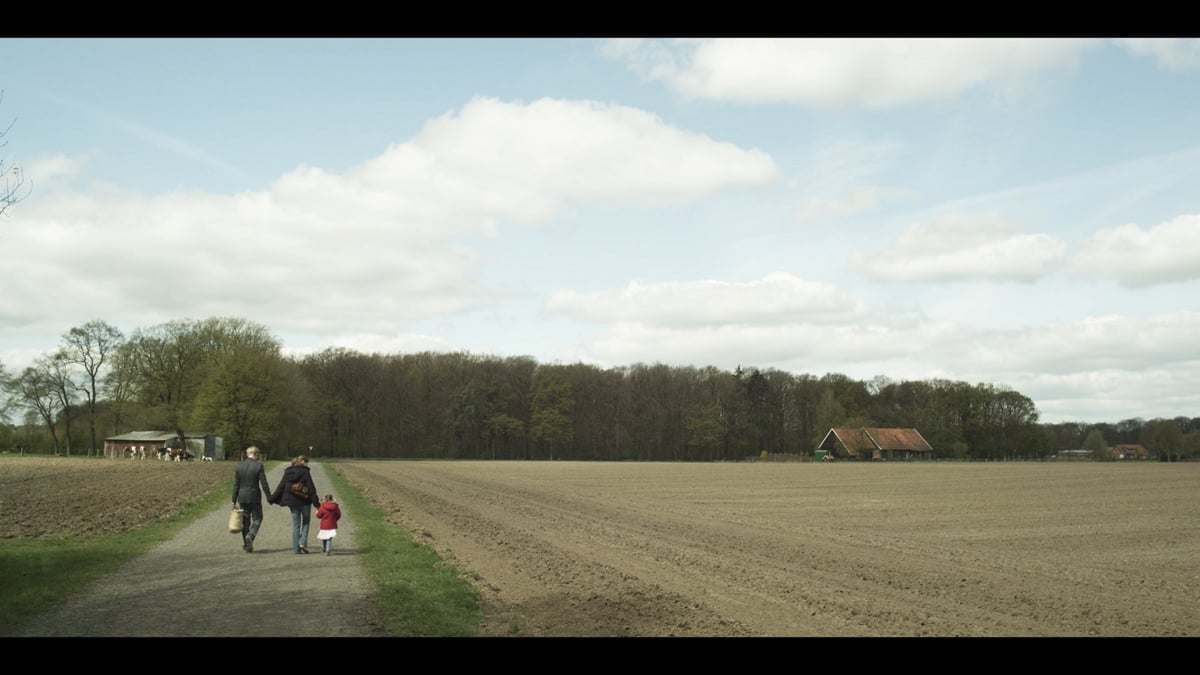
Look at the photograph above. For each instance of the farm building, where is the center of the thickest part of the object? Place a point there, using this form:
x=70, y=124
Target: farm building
x=875, y=443
x=1130, y=451
x=197, y=444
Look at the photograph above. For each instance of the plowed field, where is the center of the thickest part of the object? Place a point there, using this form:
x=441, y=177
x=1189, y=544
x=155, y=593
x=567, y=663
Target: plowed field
x=846, y=549
x=55, y=496
x=741, y=549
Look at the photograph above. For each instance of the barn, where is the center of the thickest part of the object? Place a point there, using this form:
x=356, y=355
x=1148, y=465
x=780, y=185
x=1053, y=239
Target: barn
x=197, y=444
x=1130, y=451
x=875, y=443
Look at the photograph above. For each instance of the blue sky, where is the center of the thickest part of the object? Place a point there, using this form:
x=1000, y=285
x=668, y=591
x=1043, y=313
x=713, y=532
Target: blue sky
x=1021, y=212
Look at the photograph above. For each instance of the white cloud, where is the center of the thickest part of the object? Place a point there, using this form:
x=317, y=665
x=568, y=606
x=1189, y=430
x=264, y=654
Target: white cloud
x=778, y=298
x=1093, y=343
x=1114, y=395
x=875, y=72
x=1138, y=258
x=377, y=247
x=1112, y=367
x=369, y=343
x=1170, y=53
x=898, y=347
x=524, y=161
x=45, y=169
x=866, y=198
x=960, y=247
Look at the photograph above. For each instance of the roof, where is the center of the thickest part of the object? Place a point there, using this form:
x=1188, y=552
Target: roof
x=899, y=439
x=876, y=438
x=153, y=436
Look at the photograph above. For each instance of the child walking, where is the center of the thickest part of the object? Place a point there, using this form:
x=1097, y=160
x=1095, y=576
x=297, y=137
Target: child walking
x=329, y=514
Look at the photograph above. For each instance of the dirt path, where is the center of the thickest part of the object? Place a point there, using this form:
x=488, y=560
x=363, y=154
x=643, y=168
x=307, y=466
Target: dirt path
x=201, y=583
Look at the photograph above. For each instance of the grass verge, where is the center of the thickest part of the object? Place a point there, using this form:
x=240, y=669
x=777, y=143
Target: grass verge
x=40, y=573
x=418, y=594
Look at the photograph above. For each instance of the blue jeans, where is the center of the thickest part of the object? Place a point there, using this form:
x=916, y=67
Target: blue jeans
x=301, y=516
x=252, y=515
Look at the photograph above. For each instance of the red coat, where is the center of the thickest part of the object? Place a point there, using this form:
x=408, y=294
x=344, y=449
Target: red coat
x=329, y=514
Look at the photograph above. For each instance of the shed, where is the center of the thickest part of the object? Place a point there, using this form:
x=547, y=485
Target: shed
x=876, y=443
x=197, y=444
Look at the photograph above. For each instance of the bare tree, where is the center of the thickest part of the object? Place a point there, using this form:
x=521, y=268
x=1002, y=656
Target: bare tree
x=33, y=390
x=11, y=177
x=57, y=371
x=6, y=393
x=90, y=346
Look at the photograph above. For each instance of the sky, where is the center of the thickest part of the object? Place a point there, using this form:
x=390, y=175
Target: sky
x=1018, y=212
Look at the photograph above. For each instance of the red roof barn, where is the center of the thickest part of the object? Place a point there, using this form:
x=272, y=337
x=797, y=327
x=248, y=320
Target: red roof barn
x=876, y=443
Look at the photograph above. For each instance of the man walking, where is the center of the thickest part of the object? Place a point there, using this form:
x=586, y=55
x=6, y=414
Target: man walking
x=249, y=486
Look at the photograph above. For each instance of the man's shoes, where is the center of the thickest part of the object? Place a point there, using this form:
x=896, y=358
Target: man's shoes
x=303, y=549
x=328, y=552
x=249, y=545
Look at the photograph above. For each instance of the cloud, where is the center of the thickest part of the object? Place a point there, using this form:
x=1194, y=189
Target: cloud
x=860, y=199
x=378, y=247
x=778, y=298
x=1139, y=258
x=369, y=343
x=45, y=169
x=872, y=72
x=1094, y=343
x=1113, y=367
x=799, y=347
x=958, y=248
x=1170, y=53
x=496, y=161
x=1114, y=395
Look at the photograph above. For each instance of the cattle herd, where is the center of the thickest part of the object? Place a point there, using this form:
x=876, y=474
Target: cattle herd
x=164, y=454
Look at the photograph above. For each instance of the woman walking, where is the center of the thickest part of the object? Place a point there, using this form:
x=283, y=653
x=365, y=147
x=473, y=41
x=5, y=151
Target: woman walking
x=297, y=491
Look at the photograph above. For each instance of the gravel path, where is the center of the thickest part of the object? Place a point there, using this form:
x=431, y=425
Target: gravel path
x=201, y=583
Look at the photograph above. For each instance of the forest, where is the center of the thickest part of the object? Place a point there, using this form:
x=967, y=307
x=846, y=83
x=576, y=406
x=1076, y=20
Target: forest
x=230, y=377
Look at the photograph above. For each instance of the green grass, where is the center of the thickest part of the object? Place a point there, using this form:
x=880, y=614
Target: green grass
x=418, y=594
x=40, y=573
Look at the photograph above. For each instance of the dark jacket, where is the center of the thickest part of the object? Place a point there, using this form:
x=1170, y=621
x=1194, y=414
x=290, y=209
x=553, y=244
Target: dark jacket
x=283, y=492
x=250, y=482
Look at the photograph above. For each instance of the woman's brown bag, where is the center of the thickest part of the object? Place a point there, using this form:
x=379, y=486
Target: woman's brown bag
x=235, y=520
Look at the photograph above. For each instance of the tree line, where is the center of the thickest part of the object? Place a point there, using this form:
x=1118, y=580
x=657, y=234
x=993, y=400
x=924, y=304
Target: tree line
x=229, y=376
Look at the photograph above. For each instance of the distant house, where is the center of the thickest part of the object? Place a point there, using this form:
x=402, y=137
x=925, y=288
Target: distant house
x=1130, y=451
x=1076, y=453
x=875, y=443
x=197, y=444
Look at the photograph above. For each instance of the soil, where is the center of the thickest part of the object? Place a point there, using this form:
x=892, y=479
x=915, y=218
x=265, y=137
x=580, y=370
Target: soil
x=847, y=549
x=58, y=496
x=662, y=549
